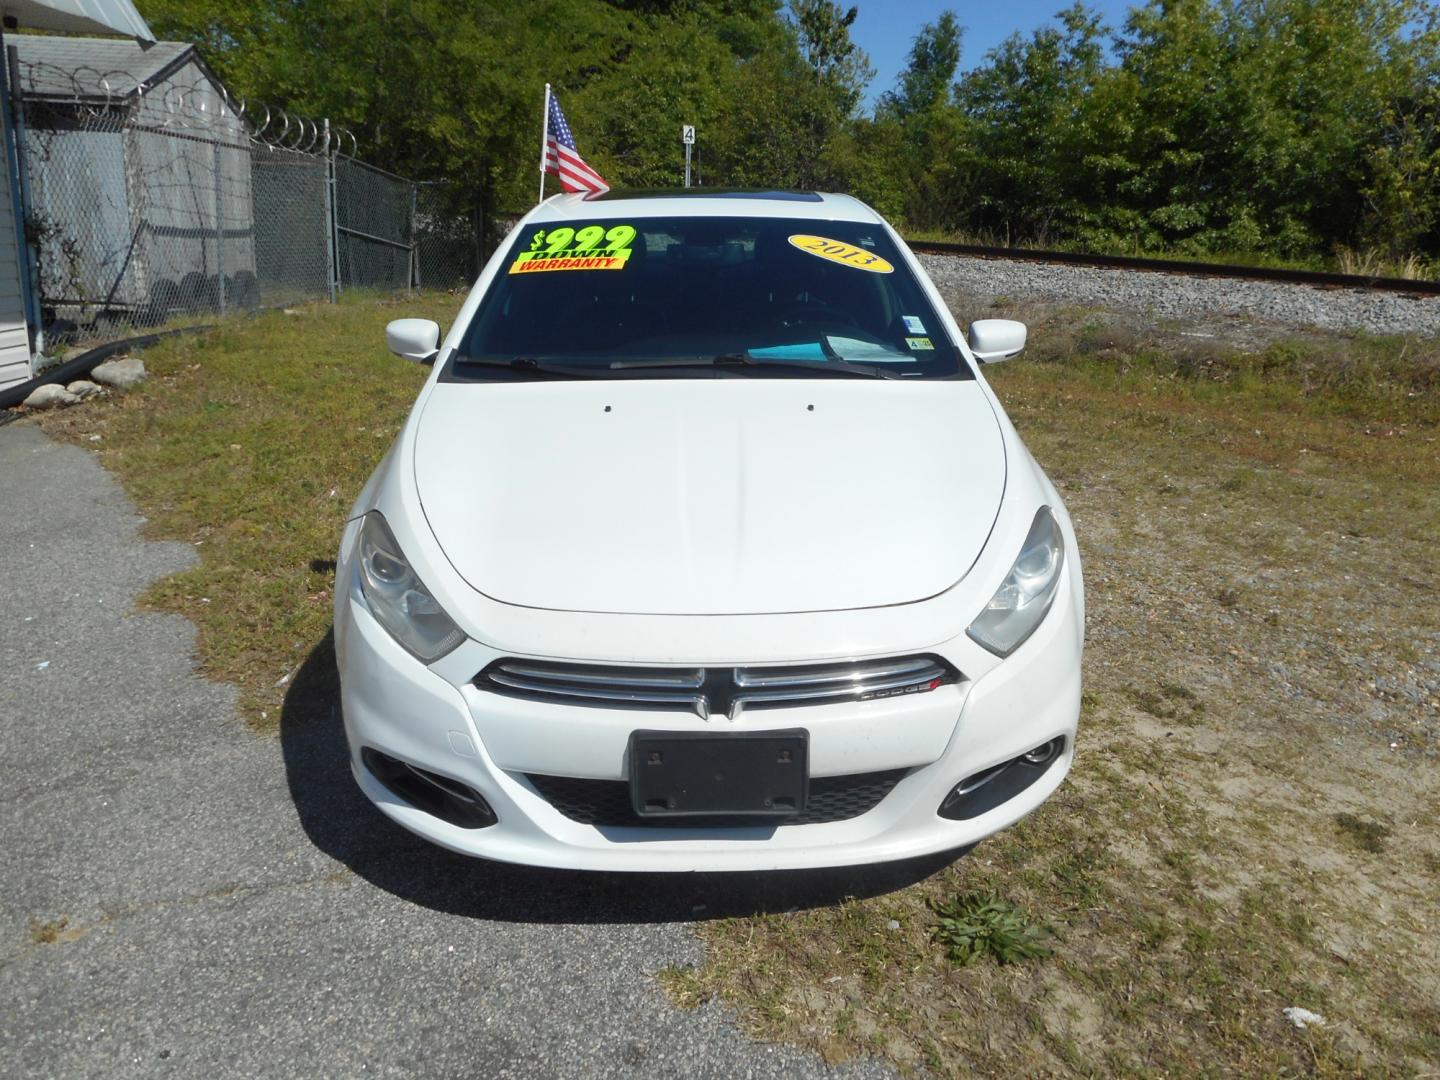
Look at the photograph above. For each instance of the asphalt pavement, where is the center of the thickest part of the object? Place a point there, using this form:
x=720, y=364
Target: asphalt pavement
x=181, y=896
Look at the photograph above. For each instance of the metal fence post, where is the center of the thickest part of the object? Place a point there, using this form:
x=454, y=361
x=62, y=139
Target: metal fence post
x=332, y=226
x=414, y=241
x=11, y=97
x=219, y=230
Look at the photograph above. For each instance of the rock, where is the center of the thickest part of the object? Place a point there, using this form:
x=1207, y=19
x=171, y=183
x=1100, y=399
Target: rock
x=84, y=388
x=974, y=281
x=49, y=396
x=122, y=373
x=1303, y=1018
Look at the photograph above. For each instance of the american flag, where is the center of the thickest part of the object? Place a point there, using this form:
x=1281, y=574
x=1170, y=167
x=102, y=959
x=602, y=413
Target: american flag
x=562, y=159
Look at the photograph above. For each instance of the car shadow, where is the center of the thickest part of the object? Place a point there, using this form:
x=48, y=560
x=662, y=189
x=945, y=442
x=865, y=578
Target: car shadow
x=341, y=822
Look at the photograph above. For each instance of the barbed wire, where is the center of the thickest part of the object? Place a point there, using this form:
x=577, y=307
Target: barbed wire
x=200, y=106
x=149, y=200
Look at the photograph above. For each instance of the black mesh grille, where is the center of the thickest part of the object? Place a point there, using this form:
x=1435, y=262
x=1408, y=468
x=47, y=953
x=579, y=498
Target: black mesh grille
x=607, y=802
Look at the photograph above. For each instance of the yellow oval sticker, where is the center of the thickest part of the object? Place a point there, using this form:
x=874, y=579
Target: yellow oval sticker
x=844, y=254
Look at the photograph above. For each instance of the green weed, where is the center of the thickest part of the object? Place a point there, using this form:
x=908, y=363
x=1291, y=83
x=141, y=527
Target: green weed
x=975, y=925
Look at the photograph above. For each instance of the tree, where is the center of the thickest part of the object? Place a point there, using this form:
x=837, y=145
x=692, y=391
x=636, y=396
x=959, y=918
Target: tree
x=1290, y=127
x=823, y=31
x=1028, y=107
x=930, y=70
x=1262, y=124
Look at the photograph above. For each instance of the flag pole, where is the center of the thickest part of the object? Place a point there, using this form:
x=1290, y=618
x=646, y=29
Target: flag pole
x=544, y=143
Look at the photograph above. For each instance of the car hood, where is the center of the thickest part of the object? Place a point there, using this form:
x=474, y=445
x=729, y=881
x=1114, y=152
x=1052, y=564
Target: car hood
x=710, y=496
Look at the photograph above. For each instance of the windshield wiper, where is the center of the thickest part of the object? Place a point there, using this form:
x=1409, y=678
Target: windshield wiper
x=536, y=364
x=744, y=360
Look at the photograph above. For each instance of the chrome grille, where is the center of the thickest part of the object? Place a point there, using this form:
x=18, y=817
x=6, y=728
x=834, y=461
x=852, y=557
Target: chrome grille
x=676, y=688
x=727, y=690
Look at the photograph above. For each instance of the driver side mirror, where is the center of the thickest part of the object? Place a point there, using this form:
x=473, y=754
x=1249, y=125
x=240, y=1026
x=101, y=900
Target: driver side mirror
x=992, y=340
x=414, y=339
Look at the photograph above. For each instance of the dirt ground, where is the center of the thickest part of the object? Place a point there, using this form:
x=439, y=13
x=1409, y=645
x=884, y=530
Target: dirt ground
x=1251, y=824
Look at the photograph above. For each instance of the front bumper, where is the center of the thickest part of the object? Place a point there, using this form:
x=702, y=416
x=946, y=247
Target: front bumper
x=451, y=729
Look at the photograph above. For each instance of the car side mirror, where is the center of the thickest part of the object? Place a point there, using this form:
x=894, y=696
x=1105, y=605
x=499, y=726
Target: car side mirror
x=992, y=340
x=414, y=339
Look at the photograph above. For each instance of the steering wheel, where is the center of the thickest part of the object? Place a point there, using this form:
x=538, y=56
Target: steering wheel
x=814, y=313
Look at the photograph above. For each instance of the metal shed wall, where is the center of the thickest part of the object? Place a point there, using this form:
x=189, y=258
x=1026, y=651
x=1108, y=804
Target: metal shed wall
x=145, y=201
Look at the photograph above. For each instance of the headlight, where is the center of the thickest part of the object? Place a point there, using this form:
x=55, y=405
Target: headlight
x=1025, y=595
x=397, y=598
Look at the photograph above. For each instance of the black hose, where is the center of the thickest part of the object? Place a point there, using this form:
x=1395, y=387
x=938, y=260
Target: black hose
x=86, y=362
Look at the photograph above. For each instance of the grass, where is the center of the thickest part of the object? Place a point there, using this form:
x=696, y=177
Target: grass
x=250, y=443
x=54, y=931
x=975, y=925
x=1258, y=533
x=1366, y=835
x=1257, y=529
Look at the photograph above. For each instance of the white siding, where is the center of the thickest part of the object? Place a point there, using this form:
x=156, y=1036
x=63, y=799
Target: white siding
x=14, y=339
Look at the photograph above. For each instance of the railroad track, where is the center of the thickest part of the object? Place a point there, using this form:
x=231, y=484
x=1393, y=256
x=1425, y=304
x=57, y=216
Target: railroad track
x=1313, y=278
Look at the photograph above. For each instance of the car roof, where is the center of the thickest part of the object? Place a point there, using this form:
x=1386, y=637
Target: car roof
x=705, y=202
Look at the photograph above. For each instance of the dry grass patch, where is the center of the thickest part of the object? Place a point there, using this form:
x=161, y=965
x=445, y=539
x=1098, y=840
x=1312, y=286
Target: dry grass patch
x=1263, y=657
x=54, y=931
x=250, y=442
x=1262, y=661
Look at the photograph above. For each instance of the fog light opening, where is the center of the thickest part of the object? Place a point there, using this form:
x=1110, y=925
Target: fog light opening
x=984, y=791
x=1043, y=753
x=444, y=798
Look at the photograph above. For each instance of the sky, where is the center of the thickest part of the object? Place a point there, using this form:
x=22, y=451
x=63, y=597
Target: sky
x=885, y=28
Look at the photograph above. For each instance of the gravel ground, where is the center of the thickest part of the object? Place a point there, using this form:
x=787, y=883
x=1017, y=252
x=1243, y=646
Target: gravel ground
x=1182, y=297
x=182, y=897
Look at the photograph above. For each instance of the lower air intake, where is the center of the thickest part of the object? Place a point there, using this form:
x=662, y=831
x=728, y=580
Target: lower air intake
x=447, y=799
x=607, y=802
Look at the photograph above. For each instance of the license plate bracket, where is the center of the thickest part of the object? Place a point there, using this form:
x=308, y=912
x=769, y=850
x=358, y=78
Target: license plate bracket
x=679, y=774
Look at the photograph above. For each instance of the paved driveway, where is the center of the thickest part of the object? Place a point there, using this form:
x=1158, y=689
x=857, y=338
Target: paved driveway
x=182, y=897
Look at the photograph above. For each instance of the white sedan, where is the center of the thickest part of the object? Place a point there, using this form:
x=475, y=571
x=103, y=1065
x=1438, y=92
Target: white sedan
x=706, y=546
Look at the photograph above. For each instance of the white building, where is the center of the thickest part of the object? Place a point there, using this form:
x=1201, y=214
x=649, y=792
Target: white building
x=19, y=308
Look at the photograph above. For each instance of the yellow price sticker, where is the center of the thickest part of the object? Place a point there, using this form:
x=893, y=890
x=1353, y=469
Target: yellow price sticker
x=593, y=247
x=845, y=254
x=540, y=261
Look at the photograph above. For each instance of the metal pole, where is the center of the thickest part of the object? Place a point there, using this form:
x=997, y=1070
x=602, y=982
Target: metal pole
x=21, y=198
x=687, y=164
x=414, y=241
x=544, y=144
x=332, y=224
x=219, y=232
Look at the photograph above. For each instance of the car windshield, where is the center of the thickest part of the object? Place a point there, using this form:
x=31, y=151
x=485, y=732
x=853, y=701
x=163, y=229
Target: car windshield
x=688, y=295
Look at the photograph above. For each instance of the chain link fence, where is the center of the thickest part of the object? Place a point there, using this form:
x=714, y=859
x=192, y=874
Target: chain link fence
x=167, y=202
x=374, y=226
x=450, y=242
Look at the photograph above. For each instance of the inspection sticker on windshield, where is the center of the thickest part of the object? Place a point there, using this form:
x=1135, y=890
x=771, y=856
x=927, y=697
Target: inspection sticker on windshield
x=593, y=247
x=913, y=324
x=844, y=254
x=918, y=344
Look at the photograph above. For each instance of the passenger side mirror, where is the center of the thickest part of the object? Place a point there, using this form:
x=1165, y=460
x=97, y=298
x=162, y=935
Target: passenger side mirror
x=992, y=340
x=414, y=339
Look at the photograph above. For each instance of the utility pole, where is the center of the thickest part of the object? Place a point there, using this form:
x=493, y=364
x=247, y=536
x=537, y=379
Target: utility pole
x=687, y=136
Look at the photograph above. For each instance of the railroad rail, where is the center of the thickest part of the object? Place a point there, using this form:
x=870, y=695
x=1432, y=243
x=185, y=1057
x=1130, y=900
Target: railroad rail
x=1314, y=278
